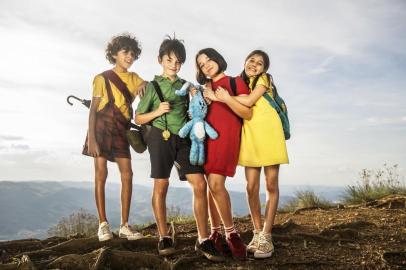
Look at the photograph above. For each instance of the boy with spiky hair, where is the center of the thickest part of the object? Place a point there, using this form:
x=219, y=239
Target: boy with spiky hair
x=167, y=114
x=110, y=114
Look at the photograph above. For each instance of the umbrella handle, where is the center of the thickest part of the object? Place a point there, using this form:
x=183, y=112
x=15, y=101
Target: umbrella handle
x=71, y=96
x=85, y=102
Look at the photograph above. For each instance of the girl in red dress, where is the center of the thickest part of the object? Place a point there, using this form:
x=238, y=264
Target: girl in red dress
x=224, y=115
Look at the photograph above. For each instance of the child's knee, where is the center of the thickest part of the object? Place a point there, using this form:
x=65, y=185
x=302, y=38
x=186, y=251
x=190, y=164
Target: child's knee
x=272, y=186
x=252, y=189
x=127, y=175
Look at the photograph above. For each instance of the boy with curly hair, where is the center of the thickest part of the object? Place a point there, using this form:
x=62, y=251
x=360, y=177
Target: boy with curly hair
x=110, y=114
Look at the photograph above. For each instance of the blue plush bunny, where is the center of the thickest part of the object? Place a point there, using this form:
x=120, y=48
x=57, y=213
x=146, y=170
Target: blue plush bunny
x=197, y=127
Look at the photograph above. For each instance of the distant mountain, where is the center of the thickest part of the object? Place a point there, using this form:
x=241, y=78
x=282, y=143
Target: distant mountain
x=28, y=209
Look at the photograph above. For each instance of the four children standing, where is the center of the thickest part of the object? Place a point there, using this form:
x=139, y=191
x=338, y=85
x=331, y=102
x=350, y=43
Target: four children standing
x=250, y=134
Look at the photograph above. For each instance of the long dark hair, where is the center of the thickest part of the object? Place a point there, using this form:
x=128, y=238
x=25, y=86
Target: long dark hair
x=213, y=55
x=265, y=57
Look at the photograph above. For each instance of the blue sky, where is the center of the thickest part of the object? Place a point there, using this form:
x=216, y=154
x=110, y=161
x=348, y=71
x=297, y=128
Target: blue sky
x=340, y=66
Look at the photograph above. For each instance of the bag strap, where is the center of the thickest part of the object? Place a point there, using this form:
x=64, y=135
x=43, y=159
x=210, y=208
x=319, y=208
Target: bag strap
x=158, y=90
x=272, y=102
x=110, y=75
x=108, y=87
x=116, y=80
x=233, y=86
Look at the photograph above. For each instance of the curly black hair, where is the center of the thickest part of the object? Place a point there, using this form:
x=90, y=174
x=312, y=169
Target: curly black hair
x=122, y=42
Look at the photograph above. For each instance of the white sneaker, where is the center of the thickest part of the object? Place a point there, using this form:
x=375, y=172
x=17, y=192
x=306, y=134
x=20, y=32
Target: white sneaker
x=265, y=246
x=104, y=232
x=253, y=245
x=127, y=232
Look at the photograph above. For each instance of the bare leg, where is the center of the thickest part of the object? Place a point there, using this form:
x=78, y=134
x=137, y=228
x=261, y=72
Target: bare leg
x=215, y=219
x=221, y=198
x=126, y=173
x=159, y=204
x=252, y=175
x=100, y=172
x=199, y=187
x=272, y=189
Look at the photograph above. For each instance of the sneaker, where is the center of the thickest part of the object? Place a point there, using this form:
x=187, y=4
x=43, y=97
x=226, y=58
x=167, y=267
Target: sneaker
x=104, y=232
x=237, y=246
x=166, y=246
x=265, y=246
x=218, y=241
x=253, y=245
x=127, y=232
x=208, y=250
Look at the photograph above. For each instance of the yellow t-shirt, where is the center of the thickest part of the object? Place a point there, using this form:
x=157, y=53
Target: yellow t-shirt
x=131, y=79
x=263, y=80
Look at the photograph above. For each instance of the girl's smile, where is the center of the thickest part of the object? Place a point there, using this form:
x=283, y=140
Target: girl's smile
x=254, y=65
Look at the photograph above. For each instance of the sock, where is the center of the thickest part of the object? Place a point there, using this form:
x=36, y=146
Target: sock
x=216, y=229
x=201, y=240
x=164, y=236
x=229, y=230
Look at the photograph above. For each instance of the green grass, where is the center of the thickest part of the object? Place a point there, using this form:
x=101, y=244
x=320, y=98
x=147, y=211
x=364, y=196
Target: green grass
x=375, y=184
x=305, y=199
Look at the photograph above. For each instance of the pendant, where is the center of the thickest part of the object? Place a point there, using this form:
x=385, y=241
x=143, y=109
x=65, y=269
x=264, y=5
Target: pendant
x=166, y=134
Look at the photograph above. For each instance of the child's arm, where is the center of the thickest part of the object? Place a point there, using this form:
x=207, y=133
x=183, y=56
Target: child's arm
x=93, y=146
x=143, y=118
x=253, y=97
x=142, y=89
x=238, y=108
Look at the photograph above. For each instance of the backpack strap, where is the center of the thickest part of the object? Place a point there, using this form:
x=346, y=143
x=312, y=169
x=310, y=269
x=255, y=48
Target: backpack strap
x=158, y=90
x=233, y=86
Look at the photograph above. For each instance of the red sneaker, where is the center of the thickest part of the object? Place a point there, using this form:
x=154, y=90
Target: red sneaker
x=218, y=240
x=237, y=246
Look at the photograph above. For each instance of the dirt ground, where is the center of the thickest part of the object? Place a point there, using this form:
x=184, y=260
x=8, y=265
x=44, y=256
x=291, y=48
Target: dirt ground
x=368, y=236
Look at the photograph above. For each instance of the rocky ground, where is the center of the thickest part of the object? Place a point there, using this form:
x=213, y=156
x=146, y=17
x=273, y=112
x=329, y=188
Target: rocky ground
x=368, y=236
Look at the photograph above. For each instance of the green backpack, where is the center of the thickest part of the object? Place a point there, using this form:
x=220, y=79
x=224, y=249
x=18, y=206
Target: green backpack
x=279, y=105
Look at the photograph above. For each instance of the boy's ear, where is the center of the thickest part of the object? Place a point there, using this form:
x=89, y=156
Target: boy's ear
x=159, y=60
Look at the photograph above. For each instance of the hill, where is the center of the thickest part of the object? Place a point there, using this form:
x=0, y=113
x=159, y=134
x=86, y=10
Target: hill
x=368, y=236
x=28, y=209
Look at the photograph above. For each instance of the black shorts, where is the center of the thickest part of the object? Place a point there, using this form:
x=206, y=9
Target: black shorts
x=164, y=154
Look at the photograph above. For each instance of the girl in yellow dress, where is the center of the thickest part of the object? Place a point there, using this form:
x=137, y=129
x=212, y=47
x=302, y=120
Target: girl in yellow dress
x=262, y=145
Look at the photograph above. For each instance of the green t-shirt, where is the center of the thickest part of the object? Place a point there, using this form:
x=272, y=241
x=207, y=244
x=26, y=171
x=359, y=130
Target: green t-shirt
x=177, y=116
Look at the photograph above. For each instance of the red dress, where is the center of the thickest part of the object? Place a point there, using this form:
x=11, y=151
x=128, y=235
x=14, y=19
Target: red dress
x=222, y=153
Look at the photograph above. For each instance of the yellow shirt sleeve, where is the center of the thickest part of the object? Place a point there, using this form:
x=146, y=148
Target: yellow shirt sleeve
x=137, y=81
x=263, y=80
x=98, y=86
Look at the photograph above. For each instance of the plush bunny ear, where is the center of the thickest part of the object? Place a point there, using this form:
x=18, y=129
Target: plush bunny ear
x=183, y=90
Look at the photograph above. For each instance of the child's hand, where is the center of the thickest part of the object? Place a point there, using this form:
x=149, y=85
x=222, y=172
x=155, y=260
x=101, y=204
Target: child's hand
x=142, y=89
x=193, y=91
x=209, y=94
x=222, y=94
x=93, y=148
x=164, y=107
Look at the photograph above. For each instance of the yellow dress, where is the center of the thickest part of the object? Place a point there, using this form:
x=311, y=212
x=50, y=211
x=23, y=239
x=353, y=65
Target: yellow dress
x=262, y=139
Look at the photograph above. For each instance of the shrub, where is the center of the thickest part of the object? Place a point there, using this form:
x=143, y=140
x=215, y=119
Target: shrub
x=375, y=184
x=306, y=199
x=81, y=222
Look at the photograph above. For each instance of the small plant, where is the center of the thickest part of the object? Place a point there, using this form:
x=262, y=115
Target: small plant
x=82, y=222
x=305, y=199
x=175, y=214
x=375, y=184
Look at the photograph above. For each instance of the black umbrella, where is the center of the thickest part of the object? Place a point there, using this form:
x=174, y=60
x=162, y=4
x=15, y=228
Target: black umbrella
x=87, y=102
